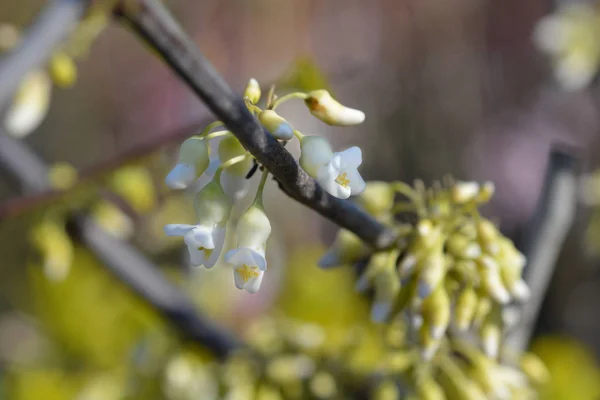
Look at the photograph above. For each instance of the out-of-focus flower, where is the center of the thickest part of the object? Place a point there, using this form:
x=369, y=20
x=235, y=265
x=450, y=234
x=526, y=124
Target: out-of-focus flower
x=113, y=220
x=346, y=249
x=193, y=161
x=63, y=70
x=248, y=258
x=327, y=109
x=571, y=36
x=30, y=105
x=55, y=248
x=205, y=240
x=62, y=176
x=275, y=124
x=134, y=184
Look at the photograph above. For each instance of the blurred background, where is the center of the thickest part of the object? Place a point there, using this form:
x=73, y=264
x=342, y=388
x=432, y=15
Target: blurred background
x=448, y=88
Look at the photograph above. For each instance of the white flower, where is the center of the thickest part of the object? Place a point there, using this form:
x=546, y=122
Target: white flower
x=315, y=153
x=204, y=243
x=327, y=109
x=205, y=240
x=275, y=124
x=248, y=258
x=193, y=161
x=340, y=177
x=30, y=105
x=233, y=178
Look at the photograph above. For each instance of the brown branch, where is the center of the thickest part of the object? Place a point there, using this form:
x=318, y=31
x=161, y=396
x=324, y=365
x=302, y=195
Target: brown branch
x=158, y=28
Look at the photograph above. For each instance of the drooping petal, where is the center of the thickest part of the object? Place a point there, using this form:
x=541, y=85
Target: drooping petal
x=178, y=229
x=245, y=256
x=328, y=177
x=201, y=236
x=219, y=241
x=357, y=183
x=351, y=158
x=181, y=176
x=253, y=284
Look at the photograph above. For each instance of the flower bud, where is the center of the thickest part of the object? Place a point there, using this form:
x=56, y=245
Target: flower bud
x=315, y=153
x=252, y=92
x=377, y=198
x=464, y=310
x=253, y=228
x=346, y=249
x=63, y=70
x=327, y=109
x=277, y=126
x=436, y=312
x=491, y=280
x=193, y=161
x=464, y=192
x=429, y=344
x=30, y=105
x=387, y=286
x=484, y=306
x=229, y=148
x=212, y=206
x=490, y=338
x=431, y=273
x=488, y=235
x=429, y=389
x=460, y=246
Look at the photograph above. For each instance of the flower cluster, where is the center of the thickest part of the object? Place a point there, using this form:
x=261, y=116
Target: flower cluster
x=228, y=173
x=451, y=268
x=571, y=37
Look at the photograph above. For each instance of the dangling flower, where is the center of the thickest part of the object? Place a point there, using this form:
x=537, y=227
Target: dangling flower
x=327, y=109
x=205, y=240
x=233, y=179
x=279, y=127
x=315, y=153
x=193, y=161
x=248, y=258
x=30, y=105
x=340, y=176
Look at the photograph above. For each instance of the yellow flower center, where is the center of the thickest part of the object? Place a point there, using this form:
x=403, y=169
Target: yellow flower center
x=207, y=252
x=342, y=180
x=248, y=272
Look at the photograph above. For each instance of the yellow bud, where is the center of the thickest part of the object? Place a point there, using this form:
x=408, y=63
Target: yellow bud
x=290, y=368
x=465, y=271
x=323, y=385
x=135, y=185
x=432, y=271
x=484, y=306
x=428, y=389
x=63, y=70
x=377, y=198
x=327, y=109
x=429, y=344
x=30, y=104
x=487, y=232
x=464, y=192
x=535, y=369
x=276, y=125
x=462, y=247
x=491, y=334
x=55, y=248
x=386, y=390
x=230, y=148
x=252, y=92
x=464, y=311
x=387, y=286
x=491, y=280
x=436, y=312
x=62, y=176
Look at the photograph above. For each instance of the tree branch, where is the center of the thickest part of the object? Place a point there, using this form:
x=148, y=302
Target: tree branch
x=51, y=28
x=545, y=238
x=120, y=258
x=154, y=24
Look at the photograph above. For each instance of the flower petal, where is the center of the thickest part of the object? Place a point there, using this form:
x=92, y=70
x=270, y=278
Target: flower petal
x=181, y=176
x=219, y=241
x=327, y=179
x=351, y=158
x=178, y=229
x=357, y=184
x=201, y=236
x=235, y=187
x=246, y=256
x=253, y=284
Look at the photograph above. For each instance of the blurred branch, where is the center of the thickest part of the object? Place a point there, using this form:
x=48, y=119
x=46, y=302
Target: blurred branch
x=154, y=23
x=124, y=261
x=51, y=28
x=18, y=205
x=545, y=238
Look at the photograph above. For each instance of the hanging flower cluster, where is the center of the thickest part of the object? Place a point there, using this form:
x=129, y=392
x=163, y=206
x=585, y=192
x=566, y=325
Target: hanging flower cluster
x=228, y=173
x=571, y=37
x=451, y=268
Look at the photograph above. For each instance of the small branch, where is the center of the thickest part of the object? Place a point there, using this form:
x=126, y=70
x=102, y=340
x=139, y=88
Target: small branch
x=51, y=28
x=120, y=258
x=545, y=238
x=154, y=24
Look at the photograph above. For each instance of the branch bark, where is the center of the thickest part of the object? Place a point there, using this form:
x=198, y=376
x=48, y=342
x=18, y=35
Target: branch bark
x=545, y=237
x=120, y=258
x=153, y=22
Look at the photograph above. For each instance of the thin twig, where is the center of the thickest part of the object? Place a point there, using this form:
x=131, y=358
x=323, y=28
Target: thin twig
x=120, y=258
x=51, y=28
x=154, y=23
x=545, y=237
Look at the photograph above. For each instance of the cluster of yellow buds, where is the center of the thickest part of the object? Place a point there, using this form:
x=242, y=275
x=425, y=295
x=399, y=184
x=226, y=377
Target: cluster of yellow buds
x=228, y=173
x=571, y=37
x=286, y=359
x=452, y=268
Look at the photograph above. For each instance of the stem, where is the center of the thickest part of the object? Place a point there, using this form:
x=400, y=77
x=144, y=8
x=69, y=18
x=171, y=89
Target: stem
x=287, y=97
x=227, y=164
x=210, y=127
x=270, y=96
x=217, y=134
x=261, y=187
x=299, y=134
